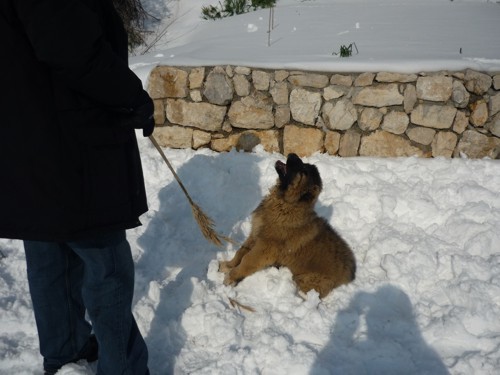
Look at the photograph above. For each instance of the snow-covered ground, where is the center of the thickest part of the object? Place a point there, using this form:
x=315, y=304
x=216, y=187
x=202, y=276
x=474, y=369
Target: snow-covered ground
x=390, y=35
x=425, y=232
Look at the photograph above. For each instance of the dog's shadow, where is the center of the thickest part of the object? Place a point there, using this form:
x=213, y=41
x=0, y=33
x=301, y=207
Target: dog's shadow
x=378, y=334
x=226, y=187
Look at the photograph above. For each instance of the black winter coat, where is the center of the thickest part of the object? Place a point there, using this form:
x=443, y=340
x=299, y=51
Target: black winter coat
x=68, y=168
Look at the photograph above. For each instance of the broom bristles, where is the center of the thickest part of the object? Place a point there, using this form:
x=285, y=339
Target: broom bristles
x=206, y=225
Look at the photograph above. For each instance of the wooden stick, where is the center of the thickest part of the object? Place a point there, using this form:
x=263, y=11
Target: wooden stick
x=205, y=223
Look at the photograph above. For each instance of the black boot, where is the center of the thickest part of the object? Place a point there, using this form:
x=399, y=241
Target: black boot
x=89, y=352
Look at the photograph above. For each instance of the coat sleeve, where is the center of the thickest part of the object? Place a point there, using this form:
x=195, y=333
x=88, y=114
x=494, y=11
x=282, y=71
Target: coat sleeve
x=66, y=35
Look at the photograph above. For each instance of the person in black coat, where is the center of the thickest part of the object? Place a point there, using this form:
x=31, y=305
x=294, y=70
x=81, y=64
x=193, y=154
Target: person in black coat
x=72, y=180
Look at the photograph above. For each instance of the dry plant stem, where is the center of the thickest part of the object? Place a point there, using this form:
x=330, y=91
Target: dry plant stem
x=271, y=25
x=205, y=223
x=236, y=304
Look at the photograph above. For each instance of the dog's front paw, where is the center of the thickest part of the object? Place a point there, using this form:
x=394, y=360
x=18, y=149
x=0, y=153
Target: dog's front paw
x=228, y=280
x=224, y=267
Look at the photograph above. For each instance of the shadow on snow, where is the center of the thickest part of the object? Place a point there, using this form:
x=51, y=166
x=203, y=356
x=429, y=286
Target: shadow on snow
x=378, y=334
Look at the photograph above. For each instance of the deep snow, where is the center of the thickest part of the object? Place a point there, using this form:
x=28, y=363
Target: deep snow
x=426, y=234
x=390, y=35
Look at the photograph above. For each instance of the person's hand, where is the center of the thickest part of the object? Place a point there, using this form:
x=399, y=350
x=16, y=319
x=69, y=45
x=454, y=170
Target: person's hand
x=140, y=116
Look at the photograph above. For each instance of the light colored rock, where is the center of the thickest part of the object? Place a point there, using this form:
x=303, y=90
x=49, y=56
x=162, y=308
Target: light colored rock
x=364, y=79
x=332, y=142
x=333, y=92
x=460, y=95
x=395, y=77
x=444, y=144
x=281, y=75
x=243, y=70
x=195, y=95
x=339, y=116
x=460, y=123
x=434, y=88
x=279, y=92
x=349, y=143
x=229, y=71
x=159, y=111
x=305, y=105
x=476, y=145
x=269, y=139
x=226, y=126
x=224, y=144
x=261, y=80
x=251, y=113
x=477, y=83
x=410, y=98
x=241, y=85
x=259, y=99
x=302, y=141
x=395, y=122
x=281, y=116
x=494, y=104
x=204, y=116
x=219, y=70
x=479, y=114
x=370, y=119
x=378, y=96
x=433, y=116
x=302, y=79
x=201, y=138
x=496, y=82
x=241, y=116
x=320, y=124
x=384, y=144
x=218, y=88
x=196, y=77
x=174, y=136
x=168, y=82
x=341, y=80
x=494, y=125
x=421, y=135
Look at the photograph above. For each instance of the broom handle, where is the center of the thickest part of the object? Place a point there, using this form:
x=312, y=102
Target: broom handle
x=157, y=146
x=203, y=220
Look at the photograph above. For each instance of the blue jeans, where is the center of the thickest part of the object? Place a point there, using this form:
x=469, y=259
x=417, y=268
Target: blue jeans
x=94, y=275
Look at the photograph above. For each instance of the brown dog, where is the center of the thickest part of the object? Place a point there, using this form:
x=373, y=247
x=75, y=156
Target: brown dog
x=286, y=231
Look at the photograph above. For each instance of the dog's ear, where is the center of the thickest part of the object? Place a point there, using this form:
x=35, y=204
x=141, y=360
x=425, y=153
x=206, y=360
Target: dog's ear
x=314, y=176
x=287, y=172
x=293, y=163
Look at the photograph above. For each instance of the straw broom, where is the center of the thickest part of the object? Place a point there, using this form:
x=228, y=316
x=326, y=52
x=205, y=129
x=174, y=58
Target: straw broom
x=205, y=223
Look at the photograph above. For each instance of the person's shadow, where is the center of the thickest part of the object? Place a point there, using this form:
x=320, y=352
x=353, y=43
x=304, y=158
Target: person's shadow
x=378, y=334
x=226, y=187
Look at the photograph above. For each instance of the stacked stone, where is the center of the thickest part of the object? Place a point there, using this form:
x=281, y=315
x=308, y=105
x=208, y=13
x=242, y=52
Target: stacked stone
x=440, y=114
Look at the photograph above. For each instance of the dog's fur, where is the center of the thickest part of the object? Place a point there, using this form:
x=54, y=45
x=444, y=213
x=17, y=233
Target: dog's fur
x=286, y=231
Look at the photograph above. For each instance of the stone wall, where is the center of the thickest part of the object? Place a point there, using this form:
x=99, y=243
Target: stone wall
x=382, y=114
